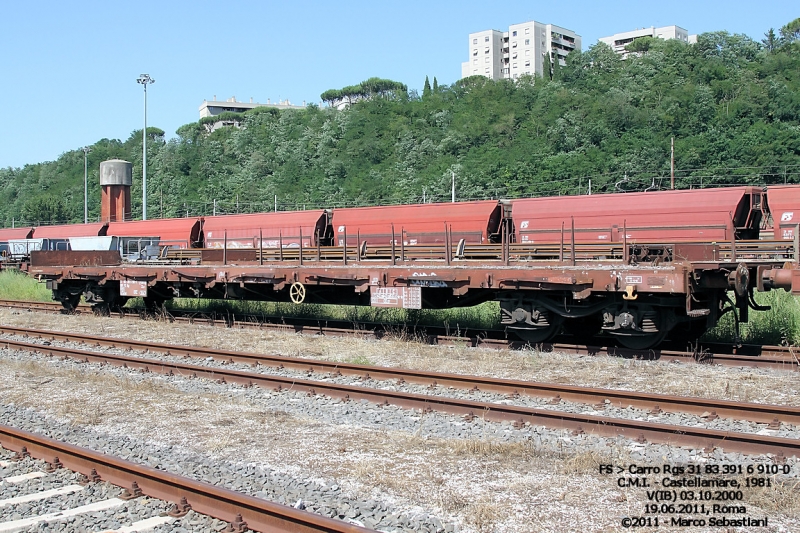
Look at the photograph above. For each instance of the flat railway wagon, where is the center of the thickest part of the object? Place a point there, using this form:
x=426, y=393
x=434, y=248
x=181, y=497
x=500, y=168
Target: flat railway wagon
x=667, y=277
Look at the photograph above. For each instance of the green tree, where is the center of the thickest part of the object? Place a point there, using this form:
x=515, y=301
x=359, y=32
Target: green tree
x=426, y=89
x=556, y=67
x=547, y=68
x=791, y=31
x=641, y=45
x=770, y=40
x=44, y=209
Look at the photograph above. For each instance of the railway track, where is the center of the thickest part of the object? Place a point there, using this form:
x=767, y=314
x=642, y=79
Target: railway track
x=643, y=431
x=241, y=511
x=754, y=412
x=754, y=356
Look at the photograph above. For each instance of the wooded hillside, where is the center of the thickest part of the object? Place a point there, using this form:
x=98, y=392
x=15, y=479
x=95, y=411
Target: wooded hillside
x=732, y=105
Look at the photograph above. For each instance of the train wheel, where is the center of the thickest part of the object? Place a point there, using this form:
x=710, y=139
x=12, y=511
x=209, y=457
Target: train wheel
x=641, y=342
x=537, y=335
x=653, y=329
x=69, y=301
x=101, y=309
x=538, y=326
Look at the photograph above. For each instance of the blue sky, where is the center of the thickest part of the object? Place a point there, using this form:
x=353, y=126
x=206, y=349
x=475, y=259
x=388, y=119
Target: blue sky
x=70, y=68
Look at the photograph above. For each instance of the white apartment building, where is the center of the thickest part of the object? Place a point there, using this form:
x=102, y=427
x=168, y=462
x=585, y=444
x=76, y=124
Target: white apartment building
x=520, y=50
x=619, y=41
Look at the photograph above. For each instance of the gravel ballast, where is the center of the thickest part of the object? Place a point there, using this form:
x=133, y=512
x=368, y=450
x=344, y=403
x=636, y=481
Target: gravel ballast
x=384, y=467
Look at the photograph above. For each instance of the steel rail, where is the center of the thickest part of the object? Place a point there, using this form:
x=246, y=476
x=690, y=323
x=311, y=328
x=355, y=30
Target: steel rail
x=776, y=357
x=577, y=423
x=754, y=412
x=205, y=498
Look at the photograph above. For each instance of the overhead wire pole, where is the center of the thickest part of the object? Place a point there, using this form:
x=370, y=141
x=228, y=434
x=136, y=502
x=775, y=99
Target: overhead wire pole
x=144, y=79
x=86, y=151
x=672, y=162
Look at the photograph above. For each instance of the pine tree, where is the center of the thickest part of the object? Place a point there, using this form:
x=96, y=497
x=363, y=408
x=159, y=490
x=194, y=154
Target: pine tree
x=547, y=69
x=426, y=90
x=435, y=85
x=556, y=68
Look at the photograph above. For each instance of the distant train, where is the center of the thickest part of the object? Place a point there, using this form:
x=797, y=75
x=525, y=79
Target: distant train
x=636, y=266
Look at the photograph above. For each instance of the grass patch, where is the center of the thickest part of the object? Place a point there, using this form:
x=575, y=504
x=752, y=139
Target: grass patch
x=480, y=317
x=779, y=325
x=15, y=285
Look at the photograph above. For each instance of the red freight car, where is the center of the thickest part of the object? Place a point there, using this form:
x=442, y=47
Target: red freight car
x=65, y=231
x=274, y=229
x=419, y=224
x=173, y=232
x=784, y=205
x=662, y=216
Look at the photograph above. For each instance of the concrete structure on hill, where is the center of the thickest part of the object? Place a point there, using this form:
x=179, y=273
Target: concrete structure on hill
x=619, y=41
x=215, y=107
x=520, y=50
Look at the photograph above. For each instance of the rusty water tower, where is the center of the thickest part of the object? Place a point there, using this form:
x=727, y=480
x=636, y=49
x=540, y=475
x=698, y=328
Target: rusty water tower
x=116, y=177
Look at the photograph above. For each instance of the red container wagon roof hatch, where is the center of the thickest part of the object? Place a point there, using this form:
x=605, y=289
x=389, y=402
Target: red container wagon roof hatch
x=661, y=216
x=15, y=233
x=69, y=230
x=420, y=224
x=275, y=229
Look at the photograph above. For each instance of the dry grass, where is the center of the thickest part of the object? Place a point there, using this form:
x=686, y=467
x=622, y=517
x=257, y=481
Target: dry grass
x=487, y=485
x=783, y=496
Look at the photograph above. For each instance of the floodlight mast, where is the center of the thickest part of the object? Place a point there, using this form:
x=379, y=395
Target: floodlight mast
x=144, y=79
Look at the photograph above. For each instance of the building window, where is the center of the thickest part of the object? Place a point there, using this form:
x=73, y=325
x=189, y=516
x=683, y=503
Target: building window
x=527, y=42
x=527, y=31
x=487, y=60
x=514, y=56
x=514, y=65
x=527, y=52
x=487, y=70
x=486, y=51
x=474, y=51
x=486, y=39
x=514, y=45
x=528, y=63
x=514, y=33
x=474, y=71
x=475, y=41
x=474, y=61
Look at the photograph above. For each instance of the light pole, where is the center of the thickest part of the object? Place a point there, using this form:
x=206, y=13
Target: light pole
x=144, y=79
x=86, y=151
